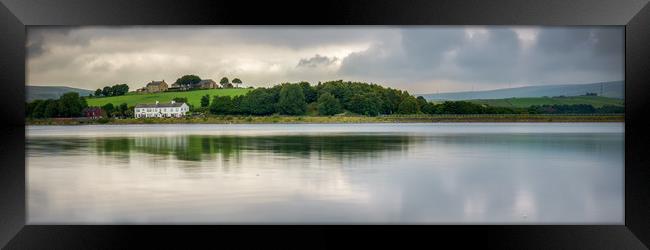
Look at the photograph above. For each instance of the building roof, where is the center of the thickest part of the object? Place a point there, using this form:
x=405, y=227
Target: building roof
x=160, y=105
x=204, y=81
x=156, y=83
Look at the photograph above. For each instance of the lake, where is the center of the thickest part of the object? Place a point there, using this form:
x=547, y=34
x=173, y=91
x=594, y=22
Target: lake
x=438, y=173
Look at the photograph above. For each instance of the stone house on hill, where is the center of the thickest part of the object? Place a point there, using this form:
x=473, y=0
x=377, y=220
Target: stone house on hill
x=205, y=84
x=156, y=86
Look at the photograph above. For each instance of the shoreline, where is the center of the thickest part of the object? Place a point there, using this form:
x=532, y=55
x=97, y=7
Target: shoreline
x=333, y=119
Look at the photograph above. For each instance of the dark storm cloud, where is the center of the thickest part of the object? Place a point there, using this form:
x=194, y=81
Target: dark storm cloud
x=496, y=55
x=578, y=51
x=316, y=61
x=494, y=58
x=36, y=39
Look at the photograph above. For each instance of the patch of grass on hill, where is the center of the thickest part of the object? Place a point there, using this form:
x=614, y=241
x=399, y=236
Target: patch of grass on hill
x=193, y=97
x=524, y=102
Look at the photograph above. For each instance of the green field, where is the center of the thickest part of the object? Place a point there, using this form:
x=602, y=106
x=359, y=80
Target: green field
x=193, y=97
x=596, y=101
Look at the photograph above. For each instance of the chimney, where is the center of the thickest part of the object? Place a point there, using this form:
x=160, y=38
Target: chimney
x=173, y=101
x=156, y=102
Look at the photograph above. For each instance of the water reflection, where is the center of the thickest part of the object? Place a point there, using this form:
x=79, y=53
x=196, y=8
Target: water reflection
x=203, y=147
x=394, y=174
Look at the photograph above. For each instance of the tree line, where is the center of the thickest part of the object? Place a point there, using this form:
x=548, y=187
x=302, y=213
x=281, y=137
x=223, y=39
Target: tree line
x=68, y=105
x=335, y=97
x=188, y=80
x=72, y=105
x=115, y=90
x=328, y=98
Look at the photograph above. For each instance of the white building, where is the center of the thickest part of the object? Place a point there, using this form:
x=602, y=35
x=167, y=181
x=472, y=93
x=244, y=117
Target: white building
x=173, y=109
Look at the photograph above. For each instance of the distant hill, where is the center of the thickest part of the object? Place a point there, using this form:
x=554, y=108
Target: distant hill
x=596, y=101
x=609, y=89
x=51, y=92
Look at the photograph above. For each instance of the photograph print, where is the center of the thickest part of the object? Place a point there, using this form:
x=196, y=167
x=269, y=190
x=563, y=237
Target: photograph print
x=325, y=125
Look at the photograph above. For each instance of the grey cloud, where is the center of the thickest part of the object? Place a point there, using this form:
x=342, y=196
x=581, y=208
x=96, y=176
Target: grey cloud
x=579, y=52
x=36, y=39
x=397, y=57
x=316, y=61
x=426, y=47
x=560, y=55
x=496, y=59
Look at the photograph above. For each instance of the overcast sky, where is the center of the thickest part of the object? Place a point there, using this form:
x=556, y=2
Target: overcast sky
x=420, y=59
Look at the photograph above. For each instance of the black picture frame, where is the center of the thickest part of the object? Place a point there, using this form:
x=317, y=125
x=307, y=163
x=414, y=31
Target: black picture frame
x=15, y=15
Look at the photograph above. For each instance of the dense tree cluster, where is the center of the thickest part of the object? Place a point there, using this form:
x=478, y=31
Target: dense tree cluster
x=115, y=90
x=68, y=105
x=329, y=98
x=188, y=80
x=122, y=110
x=72, y=105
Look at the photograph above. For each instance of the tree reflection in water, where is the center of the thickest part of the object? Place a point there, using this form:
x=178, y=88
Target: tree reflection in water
x=204, y=147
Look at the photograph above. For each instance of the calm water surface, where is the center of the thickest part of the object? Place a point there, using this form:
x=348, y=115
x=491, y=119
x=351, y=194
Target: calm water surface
x=469, y=173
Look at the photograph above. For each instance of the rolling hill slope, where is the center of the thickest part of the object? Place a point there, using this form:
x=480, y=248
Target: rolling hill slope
x=51, y=92
x=193, y=97
x=596, y=101
x=609, y=89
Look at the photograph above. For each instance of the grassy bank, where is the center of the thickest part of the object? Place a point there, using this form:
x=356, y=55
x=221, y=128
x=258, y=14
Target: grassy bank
x=524, y=102
x=335, y=119
x=193, y=97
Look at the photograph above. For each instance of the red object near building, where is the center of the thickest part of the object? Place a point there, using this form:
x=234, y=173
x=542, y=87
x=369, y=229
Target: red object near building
x=92, y=112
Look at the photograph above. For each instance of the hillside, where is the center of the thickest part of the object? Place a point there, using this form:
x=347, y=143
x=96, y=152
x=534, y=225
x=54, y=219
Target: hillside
x=596, y=101
x=193, y=97
x=51, y=92
x=609, y=89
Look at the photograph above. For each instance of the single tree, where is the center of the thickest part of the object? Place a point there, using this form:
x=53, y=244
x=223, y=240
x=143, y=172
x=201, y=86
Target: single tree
x=51, y=108
x=205, y=100
x=109, y=109
x=421, y=102
x=224, y=80
x=408, y=106
x=71, y=105
x=98, y=92
x=107, y=91
x=123, y=109
x=429, y=108
x=365, y=104
x=236, y=80
x=221, y=105
x=33, y=109
x=260, y=101
x=130, y=111
x=309, y=92
x=292, y=100
x=328, y=105
x=39, y=109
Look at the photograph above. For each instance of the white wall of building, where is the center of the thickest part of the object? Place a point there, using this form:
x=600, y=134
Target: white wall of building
x=162, y=111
